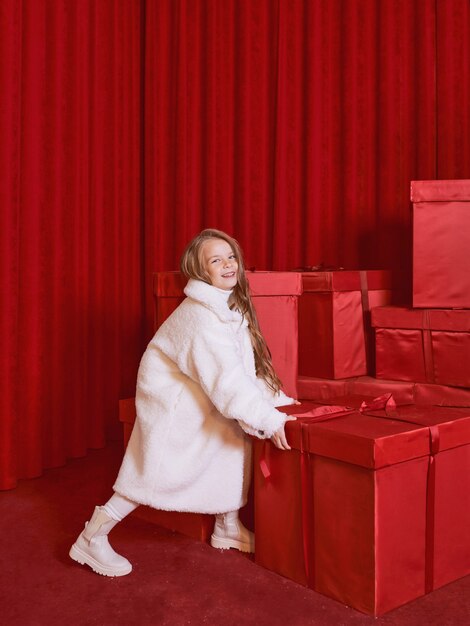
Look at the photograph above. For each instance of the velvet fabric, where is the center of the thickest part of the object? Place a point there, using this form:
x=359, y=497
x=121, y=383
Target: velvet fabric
x=127, y=126
x=70, y=276
x=277, y=121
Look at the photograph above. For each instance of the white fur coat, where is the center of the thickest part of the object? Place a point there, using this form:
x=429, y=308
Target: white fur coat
x=196, y=389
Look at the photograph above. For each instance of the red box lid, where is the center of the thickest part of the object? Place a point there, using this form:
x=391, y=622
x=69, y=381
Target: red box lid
x=171, y=284
x=353, y=437
x=456, y=320
x=451, y=425
x=274, y=283
x=439, y=190
x=345, y=280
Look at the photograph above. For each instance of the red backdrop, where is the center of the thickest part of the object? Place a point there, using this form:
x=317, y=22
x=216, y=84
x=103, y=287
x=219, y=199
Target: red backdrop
x=297, y=125
x=129, y=125
x=70, y=226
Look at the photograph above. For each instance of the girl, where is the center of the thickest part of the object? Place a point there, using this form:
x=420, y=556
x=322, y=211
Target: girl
x=204, y=381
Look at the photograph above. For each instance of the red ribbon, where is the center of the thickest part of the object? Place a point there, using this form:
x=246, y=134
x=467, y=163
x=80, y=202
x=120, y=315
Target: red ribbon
x=430, y=517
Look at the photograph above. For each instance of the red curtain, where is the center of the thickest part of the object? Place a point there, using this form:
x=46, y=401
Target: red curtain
x=129, y=125
x=297, y=125
x=70, y=226
x=453, y=89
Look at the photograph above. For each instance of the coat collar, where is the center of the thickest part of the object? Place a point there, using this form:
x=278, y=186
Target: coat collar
x=211, y=298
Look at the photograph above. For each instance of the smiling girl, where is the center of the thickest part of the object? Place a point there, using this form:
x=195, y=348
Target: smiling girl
x=205, y=380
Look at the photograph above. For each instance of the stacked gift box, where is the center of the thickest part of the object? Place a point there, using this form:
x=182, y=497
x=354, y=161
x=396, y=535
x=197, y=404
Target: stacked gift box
x=372, y=506
x=423, y=352
x=430, y=343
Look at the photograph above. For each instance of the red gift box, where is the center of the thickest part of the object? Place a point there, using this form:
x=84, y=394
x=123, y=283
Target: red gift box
x=357, y=508
x=441, y=241
x=441, y=395
x=168, y=294
x=323, y=389
x=334, y=321
x=428, y=346
x=275, y=297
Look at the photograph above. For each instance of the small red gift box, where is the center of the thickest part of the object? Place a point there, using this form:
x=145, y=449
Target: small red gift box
x=275, y=297
x=430, y=346
x=441, y=243
x=323, y=389
x=358, y=510
x=334, y=321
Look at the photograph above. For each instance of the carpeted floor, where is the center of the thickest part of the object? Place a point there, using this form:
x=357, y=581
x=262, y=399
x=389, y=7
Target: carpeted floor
x=176, y=581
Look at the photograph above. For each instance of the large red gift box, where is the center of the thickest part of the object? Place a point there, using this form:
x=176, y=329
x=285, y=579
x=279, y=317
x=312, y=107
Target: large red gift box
x=334, y=321
x=359, y=510
x=344, y=511
x=430, y=345
x=404, y=392
x=275, y=297
x=441, y=243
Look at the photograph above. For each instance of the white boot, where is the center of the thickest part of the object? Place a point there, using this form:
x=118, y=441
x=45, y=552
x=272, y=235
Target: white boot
x=92, y=547
x=229, y=532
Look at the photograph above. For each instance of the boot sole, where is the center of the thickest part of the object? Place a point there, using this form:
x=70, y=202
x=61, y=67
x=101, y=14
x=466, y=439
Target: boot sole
x=85, y=559
x=226, y=544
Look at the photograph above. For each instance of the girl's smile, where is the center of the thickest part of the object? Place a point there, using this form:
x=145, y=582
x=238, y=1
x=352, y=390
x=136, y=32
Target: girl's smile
x=220, y=263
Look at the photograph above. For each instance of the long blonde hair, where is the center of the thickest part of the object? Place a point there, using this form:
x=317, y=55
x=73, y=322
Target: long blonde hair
x=192, y=266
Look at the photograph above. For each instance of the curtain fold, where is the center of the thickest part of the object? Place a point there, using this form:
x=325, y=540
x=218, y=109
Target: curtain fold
x=453, y=89
x=129, y=125
x=295, y=125
x=70, y=196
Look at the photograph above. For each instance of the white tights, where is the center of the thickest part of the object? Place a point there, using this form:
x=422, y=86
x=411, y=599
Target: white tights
x=118, y=507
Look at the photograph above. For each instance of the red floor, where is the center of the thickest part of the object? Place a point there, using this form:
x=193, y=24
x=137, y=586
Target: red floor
x=175, y=581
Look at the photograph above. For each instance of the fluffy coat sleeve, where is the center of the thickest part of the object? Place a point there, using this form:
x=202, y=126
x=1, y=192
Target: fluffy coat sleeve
x=212, y=357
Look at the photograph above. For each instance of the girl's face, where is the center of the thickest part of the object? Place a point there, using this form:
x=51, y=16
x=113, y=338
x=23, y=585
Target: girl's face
x=220, y=263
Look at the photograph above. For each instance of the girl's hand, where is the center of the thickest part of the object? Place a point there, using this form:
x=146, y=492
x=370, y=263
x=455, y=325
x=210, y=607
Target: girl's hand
x=279, y=437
